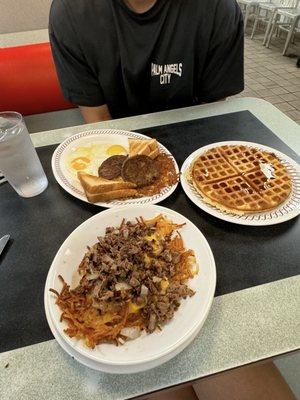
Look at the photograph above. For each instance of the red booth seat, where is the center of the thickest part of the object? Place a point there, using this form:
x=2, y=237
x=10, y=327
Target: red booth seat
x=28, y=80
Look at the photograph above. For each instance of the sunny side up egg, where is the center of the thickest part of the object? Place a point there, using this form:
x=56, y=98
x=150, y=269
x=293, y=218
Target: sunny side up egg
x=89, y=158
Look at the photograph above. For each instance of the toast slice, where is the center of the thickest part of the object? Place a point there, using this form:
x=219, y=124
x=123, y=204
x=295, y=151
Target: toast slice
x=111, y=195
x=95, y=185
x=146, y=147
x=154, y=153
x=98, y=189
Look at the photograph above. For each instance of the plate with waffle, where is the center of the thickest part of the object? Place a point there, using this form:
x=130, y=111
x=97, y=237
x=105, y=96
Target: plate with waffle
x=109, y=167
x=242, y=182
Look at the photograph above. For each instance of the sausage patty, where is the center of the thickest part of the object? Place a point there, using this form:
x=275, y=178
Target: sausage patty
x=111, y=167
x=140, y=169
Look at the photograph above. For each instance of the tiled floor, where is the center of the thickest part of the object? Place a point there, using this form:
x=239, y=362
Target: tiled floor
x=271, y=76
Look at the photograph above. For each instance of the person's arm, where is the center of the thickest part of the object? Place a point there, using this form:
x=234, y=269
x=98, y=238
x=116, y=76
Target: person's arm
x=78, y=80
x=223, y=73
x=95, y=114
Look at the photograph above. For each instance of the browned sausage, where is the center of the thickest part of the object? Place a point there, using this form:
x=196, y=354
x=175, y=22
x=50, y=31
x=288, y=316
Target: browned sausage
x=141, y=170
x=111, y=167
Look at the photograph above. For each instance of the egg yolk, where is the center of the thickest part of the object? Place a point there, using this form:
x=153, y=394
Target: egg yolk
x=116, y=149
x=80, y=163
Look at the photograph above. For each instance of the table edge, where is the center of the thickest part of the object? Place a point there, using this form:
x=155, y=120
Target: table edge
x=243, y=327
x=284, y=127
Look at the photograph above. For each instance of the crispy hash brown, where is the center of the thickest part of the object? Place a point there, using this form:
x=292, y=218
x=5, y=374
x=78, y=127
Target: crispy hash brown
x=168, y=176
x=132, y=280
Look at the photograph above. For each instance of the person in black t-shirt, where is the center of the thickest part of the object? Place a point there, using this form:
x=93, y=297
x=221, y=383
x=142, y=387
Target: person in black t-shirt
x=117, y=58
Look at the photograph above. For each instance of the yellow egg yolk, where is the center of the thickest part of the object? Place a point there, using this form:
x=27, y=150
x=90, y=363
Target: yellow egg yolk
x=116, y=149
x=80, y=163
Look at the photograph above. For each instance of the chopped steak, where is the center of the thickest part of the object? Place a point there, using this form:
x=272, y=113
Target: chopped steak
x=111, y=167
x=140, y=268
x=141, y=170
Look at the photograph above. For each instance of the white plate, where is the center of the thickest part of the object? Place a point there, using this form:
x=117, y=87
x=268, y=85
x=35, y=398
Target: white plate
x=150, y=350
x=112, y=136
x=112, y=369
x=286, y=211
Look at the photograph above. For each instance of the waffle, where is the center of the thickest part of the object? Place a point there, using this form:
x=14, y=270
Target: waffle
x=211, y=167
x=243, y=159
x=233, y=178
x=274, y=191
x=246, y=159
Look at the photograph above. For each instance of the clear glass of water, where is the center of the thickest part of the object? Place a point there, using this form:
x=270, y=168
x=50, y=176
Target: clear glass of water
x=19, y=161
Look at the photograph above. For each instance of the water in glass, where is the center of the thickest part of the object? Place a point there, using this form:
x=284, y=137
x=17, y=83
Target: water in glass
x=19, y=161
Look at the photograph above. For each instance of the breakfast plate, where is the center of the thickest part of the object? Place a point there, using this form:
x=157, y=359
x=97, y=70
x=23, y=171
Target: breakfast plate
x=286, y=210
x=148, y=350
x=86, y=151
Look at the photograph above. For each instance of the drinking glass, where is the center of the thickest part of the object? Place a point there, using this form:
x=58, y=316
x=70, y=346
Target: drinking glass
x=19, y=161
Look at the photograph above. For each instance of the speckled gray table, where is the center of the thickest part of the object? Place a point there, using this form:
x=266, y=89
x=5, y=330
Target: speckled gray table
x=242, y=327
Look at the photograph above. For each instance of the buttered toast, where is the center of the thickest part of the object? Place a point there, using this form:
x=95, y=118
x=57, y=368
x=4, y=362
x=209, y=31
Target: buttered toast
x=99, y=189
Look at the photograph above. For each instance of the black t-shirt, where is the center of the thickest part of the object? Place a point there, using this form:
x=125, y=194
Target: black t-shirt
x=178, y=53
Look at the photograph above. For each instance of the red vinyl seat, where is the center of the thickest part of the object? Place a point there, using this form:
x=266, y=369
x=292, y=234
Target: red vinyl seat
x=28, y=80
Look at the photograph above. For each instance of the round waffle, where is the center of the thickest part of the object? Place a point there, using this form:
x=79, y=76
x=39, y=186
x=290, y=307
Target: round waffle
x=240, y=179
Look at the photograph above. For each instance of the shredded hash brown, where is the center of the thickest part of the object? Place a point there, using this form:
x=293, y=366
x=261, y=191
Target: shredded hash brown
x=168, y=176
x=132, y=280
